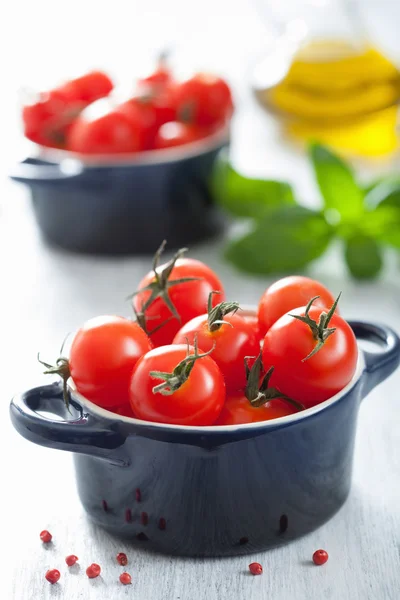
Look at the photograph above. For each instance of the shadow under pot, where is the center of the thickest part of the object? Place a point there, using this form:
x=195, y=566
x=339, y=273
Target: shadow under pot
x=210, y=491
x=124, y=205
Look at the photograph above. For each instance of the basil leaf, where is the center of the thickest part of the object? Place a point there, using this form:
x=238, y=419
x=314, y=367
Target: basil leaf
x=244, y=197
x=390, y=179
x=381, y=224
x=286, y=239
x=363, y=257
x=385, y=194
x=385, y=224
x=337, y=183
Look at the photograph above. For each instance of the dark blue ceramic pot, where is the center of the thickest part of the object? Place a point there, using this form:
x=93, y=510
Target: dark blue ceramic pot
x=211, y=491
x=113, y=205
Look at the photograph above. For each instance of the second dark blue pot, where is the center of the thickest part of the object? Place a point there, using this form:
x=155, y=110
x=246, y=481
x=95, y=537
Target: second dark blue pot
x=125, y=207
x=211, y=491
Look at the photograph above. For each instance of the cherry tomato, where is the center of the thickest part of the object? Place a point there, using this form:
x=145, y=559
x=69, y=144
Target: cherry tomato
x=148, y=111
x=88, y=88
x=177, y=134
x=143, y=120
x=253, y=320
x=307, y=379
x=198, y=399
x=112, y=133
x=102, y=357
x=288, y=293
x=160, y=77
x=204, y=99
x=257, y=401
x=187, y=299
x=232, y=342
x=237, y=409
x=46, y=121
x=124, y=411
x=146, y=115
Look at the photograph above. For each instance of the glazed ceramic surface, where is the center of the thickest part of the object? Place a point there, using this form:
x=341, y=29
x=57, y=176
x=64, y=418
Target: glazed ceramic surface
x=211, y=491
x=124, y=206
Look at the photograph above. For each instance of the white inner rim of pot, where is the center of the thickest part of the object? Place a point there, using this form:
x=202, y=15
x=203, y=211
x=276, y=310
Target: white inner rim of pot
x=210, y=428
x=149, y=157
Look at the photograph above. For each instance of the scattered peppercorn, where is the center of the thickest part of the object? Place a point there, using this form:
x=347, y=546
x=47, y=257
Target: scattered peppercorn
x=128, y=515
x=320, y=557
x=122, y=559
x=125, y=578
x=255, y=568
x=46, y=536
x=93, y=571
x=53, y=575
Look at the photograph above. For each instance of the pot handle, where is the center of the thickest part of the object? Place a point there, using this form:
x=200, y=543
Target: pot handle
x=30, y=171
x=84, y=433
x=378, y=365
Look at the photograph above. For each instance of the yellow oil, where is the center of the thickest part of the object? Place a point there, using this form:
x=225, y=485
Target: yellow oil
x=342, y=95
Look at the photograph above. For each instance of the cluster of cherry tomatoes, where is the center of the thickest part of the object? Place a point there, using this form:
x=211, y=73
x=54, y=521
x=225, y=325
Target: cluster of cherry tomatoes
x=192, y=358
x=162, y=113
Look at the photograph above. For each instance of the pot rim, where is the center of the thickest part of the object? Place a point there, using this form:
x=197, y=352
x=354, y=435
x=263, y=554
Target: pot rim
x=197, y=429
x=150, y=157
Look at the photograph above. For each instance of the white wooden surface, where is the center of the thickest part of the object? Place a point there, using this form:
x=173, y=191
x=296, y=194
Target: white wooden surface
x=46, y=293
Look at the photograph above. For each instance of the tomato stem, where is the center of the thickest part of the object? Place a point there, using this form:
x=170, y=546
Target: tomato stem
x=258, y=394
x=216, y=314
x=173, y=381
x=163, y=58
x=187, y=112
x=141, y=321
x=320, y=330
x=62, y=369
x=159, y=287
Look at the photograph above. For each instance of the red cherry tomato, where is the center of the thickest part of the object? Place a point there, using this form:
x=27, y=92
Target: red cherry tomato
x=289, y=293
x=177, y=134
x=289, y=342
x=112, y=133
x=102, y=357
x=198, y=401
x=148, y=111
x=160, y=77
x=88, y=88
x=164, y=103
x=238, y=410
x=258, y=401
x=124, y=411
x=232, y=343
x=47, y=121
x=204, y=99
x=253, y=320
x=189, y=298
x=143, y=120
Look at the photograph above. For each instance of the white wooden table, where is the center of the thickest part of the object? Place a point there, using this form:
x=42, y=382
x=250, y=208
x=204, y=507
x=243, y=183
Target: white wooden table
x=46, y=293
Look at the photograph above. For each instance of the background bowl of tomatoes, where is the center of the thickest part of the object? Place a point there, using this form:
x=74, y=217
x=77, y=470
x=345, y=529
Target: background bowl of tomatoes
x=114, y=177
x=204, y=430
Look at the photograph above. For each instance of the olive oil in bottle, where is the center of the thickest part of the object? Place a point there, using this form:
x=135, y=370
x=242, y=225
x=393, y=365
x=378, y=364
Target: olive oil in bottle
x=339, y=93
